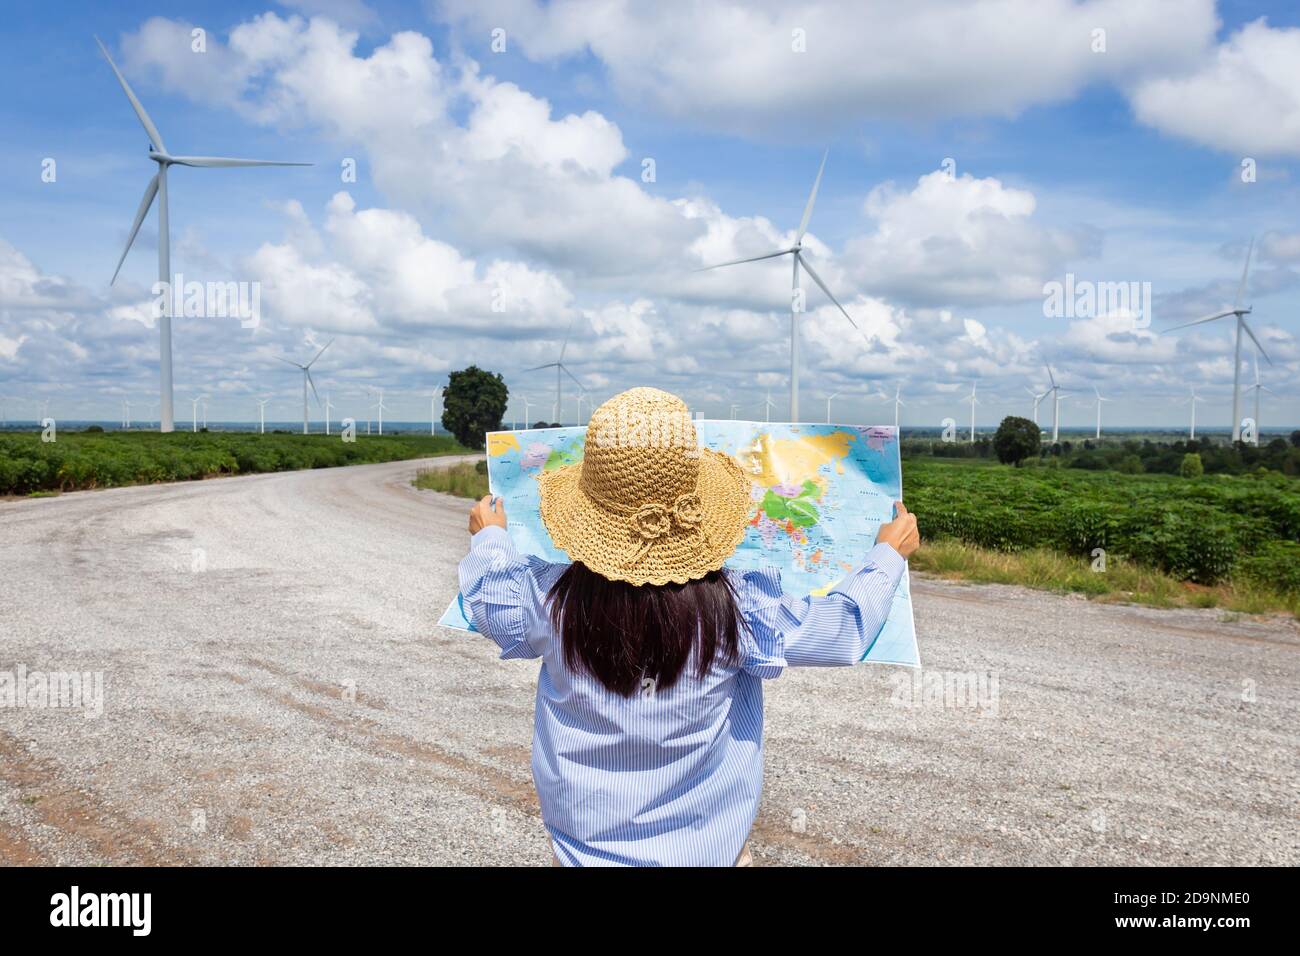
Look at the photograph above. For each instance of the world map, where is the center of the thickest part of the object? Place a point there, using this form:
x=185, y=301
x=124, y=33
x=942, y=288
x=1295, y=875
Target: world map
x=819, y=493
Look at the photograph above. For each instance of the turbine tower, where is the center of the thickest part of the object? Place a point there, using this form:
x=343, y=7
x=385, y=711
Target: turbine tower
x=261, y=410
x=194, y=414
x=1099, y=401
x=796, y=306
x=157, y=186
x=307, y=380
x=768, y=405
x=828, y=405
x=898, y=403
x=1240, y=313
x=328, y=406
x=380, y=407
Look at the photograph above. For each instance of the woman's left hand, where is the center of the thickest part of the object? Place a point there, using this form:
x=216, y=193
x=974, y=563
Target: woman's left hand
x=489, y=510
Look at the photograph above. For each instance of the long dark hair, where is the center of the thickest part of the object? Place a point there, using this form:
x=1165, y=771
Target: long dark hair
x=623, y=634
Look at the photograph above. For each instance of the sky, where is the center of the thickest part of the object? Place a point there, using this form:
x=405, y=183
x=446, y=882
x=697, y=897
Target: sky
x=493, y=177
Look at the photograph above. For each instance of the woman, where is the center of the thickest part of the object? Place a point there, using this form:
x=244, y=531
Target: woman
x=648, y=740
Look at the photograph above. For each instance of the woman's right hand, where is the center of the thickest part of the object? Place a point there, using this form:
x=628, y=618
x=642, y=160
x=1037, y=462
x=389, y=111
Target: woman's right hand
x=900, y=534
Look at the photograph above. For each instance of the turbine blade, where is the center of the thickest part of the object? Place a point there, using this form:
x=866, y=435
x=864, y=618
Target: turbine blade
x=822, y=285
x=571, y=375
x=155, y=137
x=223, y=162
x=1051, y=376
x=1241, y=288
x=145, y=202
x=307, y=372
x=538, y=368
x=1200, y=321
x=565, y=344
x=812, y=199
x=1255, y=340
x=320, y=353
x=288, y=362
x=736, y=262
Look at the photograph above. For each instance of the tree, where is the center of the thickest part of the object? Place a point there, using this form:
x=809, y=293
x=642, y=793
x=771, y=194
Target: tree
x=1016, y=440
x=1295, y=438
x=473, y=403
x=1191, y=466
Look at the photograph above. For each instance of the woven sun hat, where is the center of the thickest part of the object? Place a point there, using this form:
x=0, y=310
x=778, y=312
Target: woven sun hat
x=646, y=504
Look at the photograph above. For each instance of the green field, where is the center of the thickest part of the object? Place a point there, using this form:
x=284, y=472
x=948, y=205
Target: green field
x=1240, y=532
x=465, y=480
x=81, y=460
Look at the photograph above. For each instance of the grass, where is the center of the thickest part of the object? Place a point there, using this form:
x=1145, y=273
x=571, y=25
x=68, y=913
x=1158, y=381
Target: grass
x=1122, y=581
x=83, y=460
x=463, y=480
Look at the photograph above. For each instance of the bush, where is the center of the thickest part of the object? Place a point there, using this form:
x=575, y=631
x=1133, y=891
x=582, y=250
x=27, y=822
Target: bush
x=1191, y=466
x=1275, y=565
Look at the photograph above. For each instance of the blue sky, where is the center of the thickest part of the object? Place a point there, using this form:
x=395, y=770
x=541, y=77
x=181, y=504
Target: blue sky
x=519, y=174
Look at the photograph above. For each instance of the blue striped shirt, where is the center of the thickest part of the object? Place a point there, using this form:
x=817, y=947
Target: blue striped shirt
x=667, y=778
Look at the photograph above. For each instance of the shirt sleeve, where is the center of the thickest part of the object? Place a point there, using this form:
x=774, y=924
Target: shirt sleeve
x=504, y=594
x=836, y=629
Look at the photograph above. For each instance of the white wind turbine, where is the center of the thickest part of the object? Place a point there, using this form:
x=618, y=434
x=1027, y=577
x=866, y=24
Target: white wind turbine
x=768, y=405
x=204, y=406
x=1240, y=313
x=153, y=411
x=194, y=414
x=1099, y=401
x=380, y=407
x=1192, y=400
x=828, y=405
x=126, y=413
x=898, y=403
x=1057, y=395
x=158, y=187
x=973, y=402
x=307, y=380
x=261, y=411
x=1257, y=387
x=582, y=399
x=328, y=405
x=528, y=405
x=559, y=367
x=1038, y=397
x=734, y=407
x=796, y=304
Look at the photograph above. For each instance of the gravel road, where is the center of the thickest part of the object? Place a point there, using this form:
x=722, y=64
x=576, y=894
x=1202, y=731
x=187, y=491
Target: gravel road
x=275, y=690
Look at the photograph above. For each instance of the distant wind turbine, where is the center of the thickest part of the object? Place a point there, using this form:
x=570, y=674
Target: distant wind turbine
x=307, y=380
x=1038, y=397
x=796, y=306
x=380, y=407
x=559, y=367
x=1192, y=400
x=1240, y=313
x=898, y=403
x=768, y=405
x=194, y=414
x=973, y=402
x=328, y=406
x=261, y=410
x=126, y=413
x=158, y=187
x=828, y=405
x=1099, y=401
x=1057, y=395
x=1257, y=389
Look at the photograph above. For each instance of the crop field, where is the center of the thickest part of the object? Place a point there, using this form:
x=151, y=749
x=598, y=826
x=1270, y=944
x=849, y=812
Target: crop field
x=1243, y=529
x=81, y=460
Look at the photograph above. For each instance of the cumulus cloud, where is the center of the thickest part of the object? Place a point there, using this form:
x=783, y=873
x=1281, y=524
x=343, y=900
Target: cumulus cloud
x=1242, y=97
x=960, y=241
x=715, y=62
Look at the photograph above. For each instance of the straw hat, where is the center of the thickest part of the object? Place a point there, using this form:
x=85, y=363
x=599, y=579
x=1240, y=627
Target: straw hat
x=647, y=504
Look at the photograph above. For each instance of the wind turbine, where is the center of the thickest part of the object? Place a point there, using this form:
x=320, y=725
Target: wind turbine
x=1240, y=313
x=582, y=397
x=261, y=411
x=328, y=406
x=126, y=413
x=1057, y=394
x=559, y=367
x=898, y=403
x=734, y=406
x=796, y=306
x=768, y=405
x=528, y=404
x=828, y=405
x=973, y=403
x=194, y=414
x=1099, y=401
x=158, y=187
x=1038, y=397
x=204, y=406
x=1258, y=388
x=1192, y=400
x=380, y=407
x=306, y=380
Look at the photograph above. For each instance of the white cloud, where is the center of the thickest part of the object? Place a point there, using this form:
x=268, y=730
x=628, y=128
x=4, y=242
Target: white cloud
x=1243, y=97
